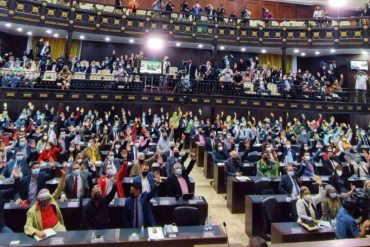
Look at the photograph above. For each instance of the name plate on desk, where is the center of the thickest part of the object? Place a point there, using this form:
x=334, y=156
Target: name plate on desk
x=221, y=164
x=56, y=241
x=164, y=202
x=243, y=178
x=73, y=204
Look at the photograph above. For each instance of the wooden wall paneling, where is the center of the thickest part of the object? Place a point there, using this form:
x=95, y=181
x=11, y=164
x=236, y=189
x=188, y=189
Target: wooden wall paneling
x=233, y=6
x=287, y=11
x=304, y=11
x=254, y=7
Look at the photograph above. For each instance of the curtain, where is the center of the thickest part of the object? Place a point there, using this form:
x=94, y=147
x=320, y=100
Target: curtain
x=274, y=60
x=58, y=47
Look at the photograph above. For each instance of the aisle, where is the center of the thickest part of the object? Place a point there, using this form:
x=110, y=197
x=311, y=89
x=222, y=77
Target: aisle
x=217, y=208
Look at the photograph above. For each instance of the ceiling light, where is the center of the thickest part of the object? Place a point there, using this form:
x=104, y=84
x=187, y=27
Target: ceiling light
x=296, y=51
x=82, y=37
x=155, y=43
x=107, y=39
x=337, y=3
x=131, y=41
x=8, y=25
x=48, y=31
x=29, y=33
x=56, y=35
x=317, y=53
x=263, y=51
x=222, y=48
x=332, y=50
x=19, y=29
x=364, y=53
x=200, y=46
x=243, y=49
x=178, y=44
x=303, y=54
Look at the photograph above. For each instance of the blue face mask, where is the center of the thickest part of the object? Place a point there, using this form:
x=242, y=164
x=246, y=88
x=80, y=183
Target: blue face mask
x=76, y=173
x=110, y=172
x=35, y=171
x=178, y=172
x=19, y=157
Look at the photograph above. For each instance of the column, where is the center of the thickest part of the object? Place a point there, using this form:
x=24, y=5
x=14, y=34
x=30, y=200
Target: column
x=283, y=59
x=214, y=51
x=67, y=51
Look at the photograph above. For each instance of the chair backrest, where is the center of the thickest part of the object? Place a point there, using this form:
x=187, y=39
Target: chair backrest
x=270, y=213
x=252, y=157
x=186, y=216
x=262, y=187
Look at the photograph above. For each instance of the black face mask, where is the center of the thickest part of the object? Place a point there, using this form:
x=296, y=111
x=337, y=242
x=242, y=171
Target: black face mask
x=144, y=173
x=132, y=195
x=176, y=155
x=97, y=198
x=141, y=162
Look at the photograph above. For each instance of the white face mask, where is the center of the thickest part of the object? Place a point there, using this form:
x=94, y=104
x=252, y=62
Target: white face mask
x=291, y=173
x=307, y=197
x=220, y=148
x=340, y=173
x=307, y=158
x=288, y=146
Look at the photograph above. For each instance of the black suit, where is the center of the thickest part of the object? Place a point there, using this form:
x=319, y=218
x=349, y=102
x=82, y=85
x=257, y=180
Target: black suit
x=210, y=144
x=172, y=183
x=328, y=167
x=286, y=185
x=191, y=69
x=341, y=184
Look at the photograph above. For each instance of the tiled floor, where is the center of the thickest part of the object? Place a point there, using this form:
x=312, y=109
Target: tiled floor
x=217, y=208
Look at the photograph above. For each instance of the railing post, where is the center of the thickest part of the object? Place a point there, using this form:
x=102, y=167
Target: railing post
x=12, y=4
x=283, y=59
x=67, y=50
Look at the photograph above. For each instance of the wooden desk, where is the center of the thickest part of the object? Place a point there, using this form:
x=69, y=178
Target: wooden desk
x=207, y=169
x=163, y=208
x=188, y=236
x=357, y=242
x=289, y=232
x=6, y=183
x=219, y=176
x=253, y=212
x=200, y=150
x=236, y=192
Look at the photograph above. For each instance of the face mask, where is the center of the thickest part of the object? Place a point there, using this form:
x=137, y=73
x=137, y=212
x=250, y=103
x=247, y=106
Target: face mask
x=110, y=172
x=340, y=173
x=305, y=148
x=288, y=146
x=76, y=172
x=268, y=149
x=144, y=173
x=35, y=171
x=178, y=172
x=291, y=173
x=63, y=136
x=89, y=144
x=307, y=158
x=117, y=146
x=79, y=161
x=110, y=158
x=141, y=162
x=19, y=157
x=45, y=138
x=307, y=197
x=71, y=149
x=176, y=155
x=220, y=148
x=22, y=144
x=333, y=195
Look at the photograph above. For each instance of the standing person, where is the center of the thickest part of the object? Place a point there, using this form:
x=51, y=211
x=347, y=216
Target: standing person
x=184, y=9
x=211, y=13
x=267, y=15
x=197, y=11
x=169, y=7
x=166, y=65
x=133, y=5
x=220, y=12
x=246, y=15
x=319, y=15
x=362, y=80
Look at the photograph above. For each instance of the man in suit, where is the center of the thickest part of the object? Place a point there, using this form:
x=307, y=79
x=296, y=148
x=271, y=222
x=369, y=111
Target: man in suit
x=92, y=69
x=191, y=70
x=289, y=155
x=78, y=182
x=27, y=187
x=18, y=162
x=146, y=178
x=219, y=154
x=211, y=142
x=178, y=182
x=137, y=212
x=288, y=182
x=210, y=73
x=233, y=165
x=329, y=163
x=175, y=158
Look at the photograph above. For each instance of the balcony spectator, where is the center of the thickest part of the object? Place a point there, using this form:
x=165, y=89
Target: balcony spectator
x=246, y=15
x=64, y=78
x=226, y=75
x=211, y=12
x=184, y=9
x=285, y=85
x=169, y=7
x=197, y=11
x=158, y=6
x=220, y=12
x=319, y=15
x=362, y=80
x=267, y=15
x=365, y=12
x=133, y=5
x=233, y=18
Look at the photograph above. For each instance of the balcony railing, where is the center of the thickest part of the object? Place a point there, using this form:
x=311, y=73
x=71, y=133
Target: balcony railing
x=87, y=17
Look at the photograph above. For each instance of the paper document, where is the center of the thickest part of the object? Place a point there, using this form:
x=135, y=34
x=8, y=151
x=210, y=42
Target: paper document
x=48, y=232
x=155, y=233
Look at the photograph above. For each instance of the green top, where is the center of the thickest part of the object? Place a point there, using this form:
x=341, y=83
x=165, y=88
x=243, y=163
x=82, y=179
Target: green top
x=266, y=170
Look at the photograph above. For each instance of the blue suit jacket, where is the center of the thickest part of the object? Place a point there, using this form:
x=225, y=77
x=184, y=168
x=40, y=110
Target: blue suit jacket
x=128, y=213
x=286, y=185
x=7, y=171
x=151, y=181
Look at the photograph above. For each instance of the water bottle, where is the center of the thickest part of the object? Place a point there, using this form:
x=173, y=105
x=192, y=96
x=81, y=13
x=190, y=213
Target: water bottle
x=142, y=233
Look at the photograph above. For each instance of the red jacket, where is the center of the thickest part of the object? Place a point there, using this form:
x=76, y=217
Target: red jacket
x=121, y=174
x=45, y=155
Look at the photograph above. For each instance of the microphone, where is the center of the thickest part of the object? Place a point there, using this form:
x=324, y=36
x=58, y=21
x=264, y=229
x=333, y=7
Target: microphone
x=228, y=243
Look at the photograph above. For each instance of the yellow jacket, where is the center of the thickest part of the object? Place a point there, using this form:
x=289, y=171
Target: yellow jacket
x=34, y=221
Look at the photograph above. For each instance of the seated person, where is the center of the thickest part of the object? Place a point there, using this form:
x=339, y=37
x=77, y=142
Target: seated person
x=146, y=178
x=178, y=183
x=45, y=213
x=330, y=204
x=64, y=78
x=288, y=182
x=138, y=212
x=112, y=178
x=339, y=181
x=346, y=225
x=233, y=165
x=307, y=162
x=95, y=214
x=307, y=204
x=219, y=155
x=266, y=167
x=50, y=152
x=18, y=162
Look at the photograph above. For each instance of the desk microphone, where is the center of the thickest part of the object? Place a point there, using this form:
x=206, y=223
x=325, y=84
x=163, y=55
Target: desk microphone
x=228, y=244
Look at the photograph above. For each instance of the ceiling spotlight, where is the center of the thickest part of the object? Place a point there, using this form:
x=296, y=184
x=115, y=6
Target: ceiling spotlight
x=131, y=41
x=296, y=51
x=303, y=54
x=56, y=35
x=29, y=33
x=107, y=39
x=317, y=53
x=332, y=50
x=263, y=51
x=178, y=44
x=337, y=3
x=48, y=31
x=200, y=46
x=82, y=37
x=155, y=43
x=19, y=29
x=364, y=53
x=8, y=25
x=222, y=48
x=243, y=49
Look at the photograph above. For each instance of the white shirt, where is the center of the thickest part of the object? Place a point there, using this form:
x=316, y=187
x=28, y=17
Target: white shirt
x=294, y=190
x=315, y=199
x=145, y=184
x=361, y=82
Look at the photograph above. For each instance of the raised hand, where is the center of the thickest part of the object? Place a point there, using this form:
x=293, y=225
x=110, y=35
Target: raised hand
x=64, y=171
x=17, y=172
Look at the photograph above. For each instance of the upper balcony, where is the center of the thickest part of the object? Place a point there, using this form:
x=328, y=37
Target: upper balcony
x=105, y=19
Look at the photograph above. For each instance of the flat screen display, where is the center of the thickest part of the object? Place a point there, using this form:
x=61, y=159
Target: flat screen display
x=359, y=65
x=151, y=67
